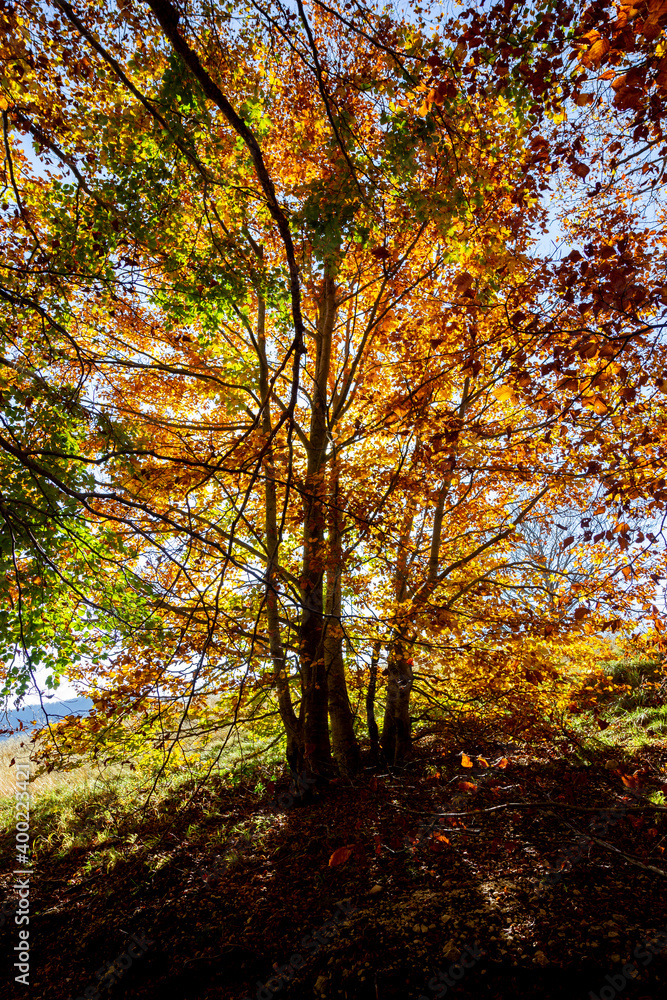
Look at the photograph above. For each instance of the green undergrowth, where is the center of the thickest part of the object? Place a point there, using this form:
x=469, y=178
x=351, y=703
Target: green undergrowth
x=623, y=703
x=117, y=811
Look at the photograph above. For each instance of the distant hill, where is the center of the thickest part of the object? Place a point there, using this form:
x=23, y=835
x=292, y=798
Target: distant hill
x=56, y=709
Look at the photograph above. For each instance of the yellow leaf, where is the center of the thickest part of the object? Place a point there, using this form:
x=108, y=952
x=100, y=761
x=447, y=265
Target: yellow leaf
x=465, y=760
x=503, y=392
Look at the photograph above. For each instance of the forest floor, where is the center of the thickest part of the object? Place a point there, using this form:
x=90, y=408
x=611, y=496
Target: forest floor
x=561, y=898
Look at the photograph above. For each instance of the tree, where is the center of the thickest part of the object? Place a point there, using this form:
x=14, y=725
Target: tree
x=286, y=264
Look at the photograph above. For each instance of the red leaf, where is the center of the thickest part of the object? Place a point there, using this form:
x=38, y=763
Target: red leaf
x=340, y=856
x=380, y=253
x=580, y=169
x=466, y=786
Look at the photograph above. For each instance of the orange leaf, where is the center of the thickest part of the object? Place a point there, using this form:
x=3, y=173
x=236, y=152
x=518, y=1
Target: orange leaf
x=465, y=760
x=340, y=856
x=482, y=762
x=596, y=52
x=466, y=786
x=503, y=762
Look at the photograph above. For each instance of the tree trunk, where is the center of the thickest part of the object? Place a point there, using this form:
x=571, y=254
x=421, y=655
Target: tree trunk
x=280, y=666
x=373, y=733
x=345, y=745
x=396, y=739
x=314, y=702
x=396, y=725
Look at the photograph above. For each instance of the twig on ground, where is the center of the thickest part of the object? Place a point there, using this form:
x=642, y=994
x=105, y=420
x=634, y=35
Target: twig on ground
x=541, y=805
x=610, y=847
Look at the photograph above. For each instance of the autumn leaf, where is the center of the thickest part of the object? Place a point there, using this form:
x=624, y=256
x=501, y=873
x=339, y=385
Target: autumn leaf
x=466, y=786
x=464, y=282
x=465, y=760
x=596, y=52
x=580, y=169
x=340, y=856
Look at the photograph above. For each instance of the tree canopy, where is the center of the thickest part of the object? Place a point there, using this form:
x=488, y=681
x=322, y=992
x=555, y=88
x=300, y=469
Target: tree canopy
x=332, y=356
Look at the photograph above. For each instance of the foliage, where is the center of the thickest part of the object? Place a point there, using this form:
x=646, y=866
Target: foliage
x=299, y=395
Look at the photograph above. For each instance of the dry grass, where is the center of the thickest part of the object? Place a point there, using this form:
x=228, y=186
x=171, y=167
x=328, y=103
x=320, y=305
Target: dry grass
x=196, y=755
x=20, y=746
